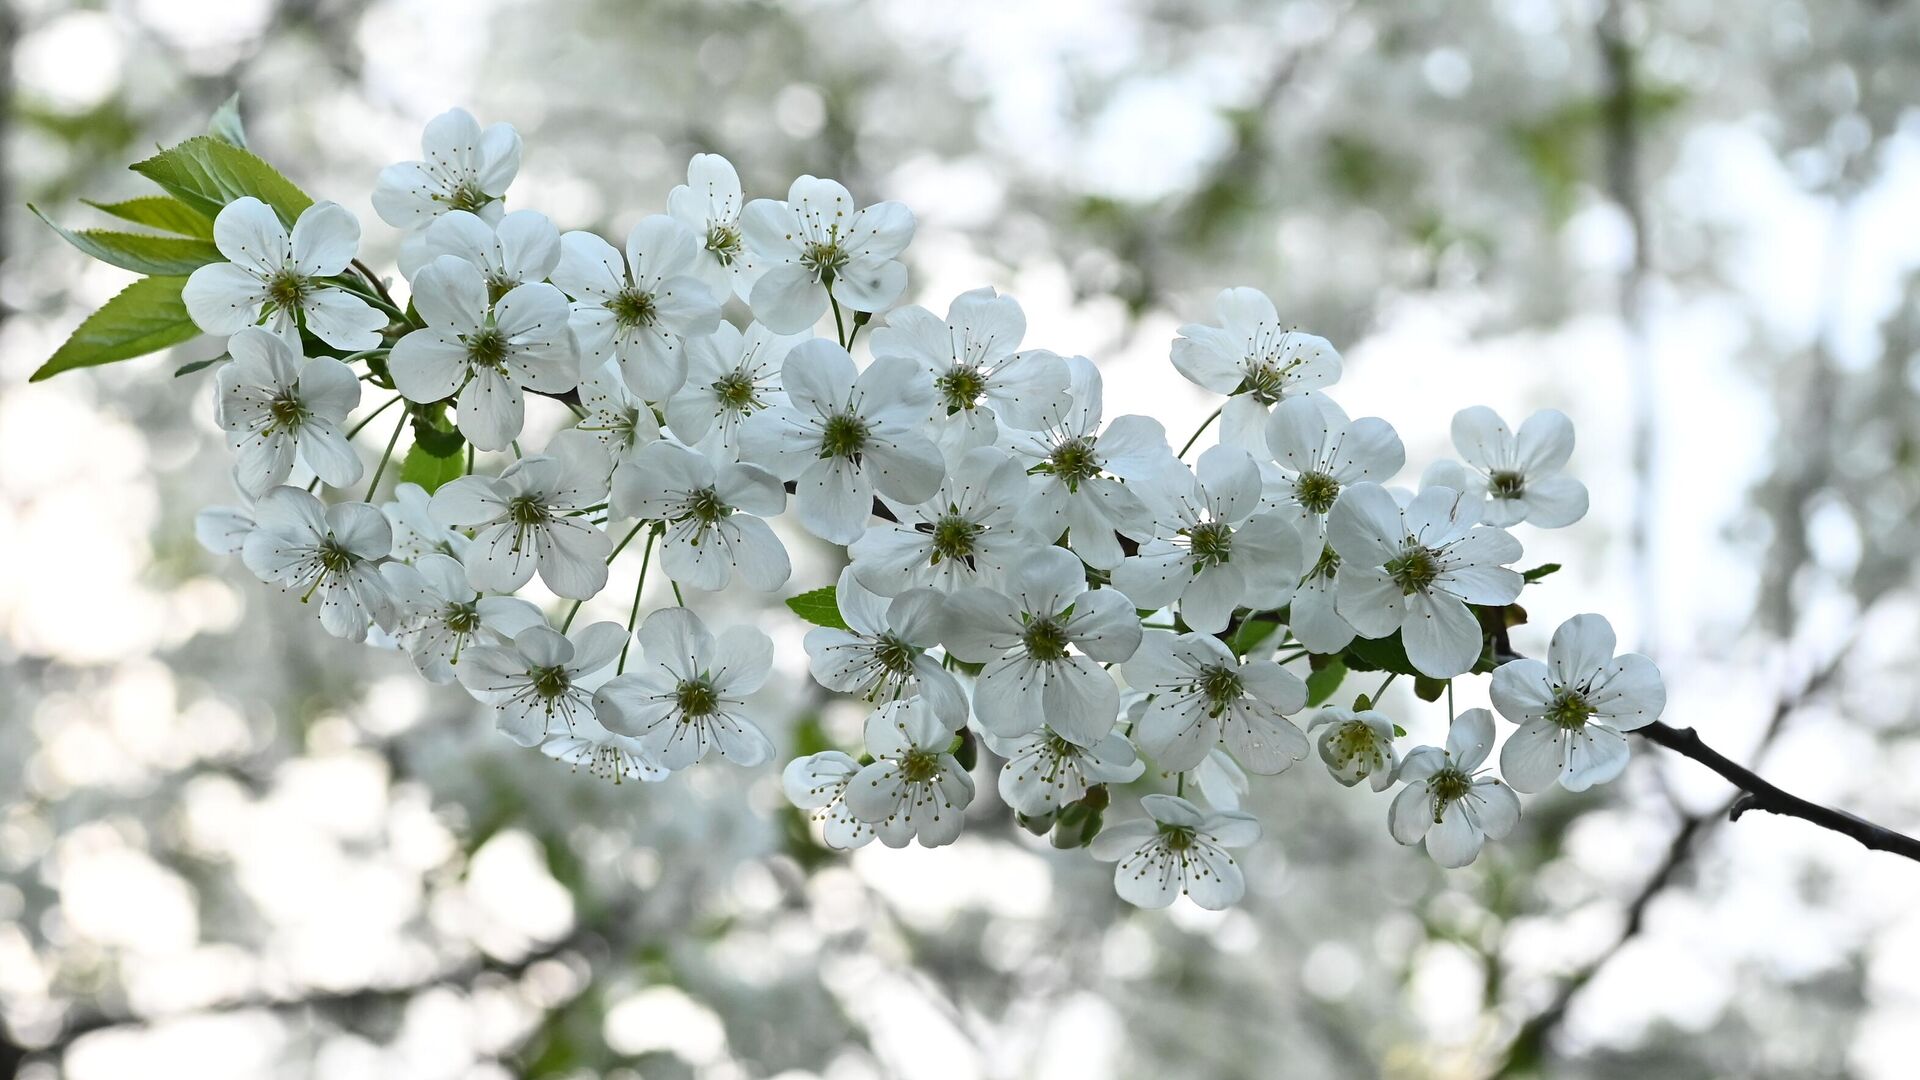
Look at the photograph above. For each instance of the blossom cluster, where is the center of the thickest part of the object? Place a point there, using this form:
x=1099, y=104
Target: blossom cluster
x=1030, y=583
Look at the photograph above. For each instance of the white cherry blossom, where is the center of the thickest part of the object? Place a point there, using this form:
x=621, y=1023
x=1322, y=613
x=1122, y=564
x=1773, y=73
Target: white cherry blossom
x=1212, y=551
x=329, y=552
x=1045, y=771
x=1573, y=708
x=518, y=249
x=882, y=655
x=1205, y=696
x=818, y=783
x=604, y=755
x=483, y=351
x=684, y=696
x=714, y=513
x=710, y=204
x=1256, y=360
x=914, y=788
x=1416, y=569
x=1357, y=746
x=529, y=517
x=278, y=280
x=1080, y=469
x=638, y=310
x=1177, y=850
x=969, y=533
x=844, y=434
x=622, y=422
x=1318, y=453
x=440, y=615
x=730, y=376
x=465, y=168
x=981, y=380
x=415, y=533
x=540, y=683
x=1520, y=475
x=277, y=406
x=815, y=246
x=1042, y=641
x=1447, y=801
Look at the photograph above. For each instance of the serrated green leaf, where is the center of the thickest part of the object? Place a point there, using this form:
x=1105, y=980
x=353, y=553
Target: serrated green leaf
x=1539, y=572
x=819, y=607
x=431, y=470
x=145, y=317
x=143, y=254
x=207, y=174
x=159, y=212
x=200, y=365
x=226, y=125
x=1323, y=682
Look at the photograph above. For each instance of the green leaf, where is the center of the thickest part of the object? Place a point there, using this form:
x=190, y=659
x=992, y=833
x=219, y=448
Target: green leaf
x=819, y=607
x=200, y=365
x=1399, y=732
x=139, y=252
x=226, y=125
x=162, y=212
x=434, y=433
x=431, y=470
x=1251, y=634
x=1539, y=572
x=1324, y=681
x=145, y=317
x=207, y=174
x=1379, y=654
x=1428, y=689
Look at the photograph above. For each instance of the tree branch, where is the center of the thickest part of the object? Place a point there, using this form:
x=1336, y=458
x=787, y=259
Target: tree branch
x=1759, y=794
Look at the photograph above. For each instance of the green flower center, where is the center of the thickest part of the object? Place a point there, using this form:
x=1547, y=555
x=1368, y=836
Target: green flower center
x=1316, y=491
x=287, y=412
x=487, y=348
x=894, y=656
x=696, y=698
x=286, y=289
x=1265, y=381
x=1176, y=837
x=953, y=538
x=550, y=682
x=919, y=766
x=961, y=387
x=1414, y=570
x=1211, y=542
x=1448, y=786
x=705, y=507
x=1504, y=484
x=632, y=308
x=1327, y=565
x=1354, y=740
x=1073, y=461
x=526, y=510
x=1220, y=685
x=735, y=391
x=824, y=258
x=463, y=619
x=1045, y=640
x=334, y=558
x=844, y=436
x=1569, y=709
x=725, y=243
x=468, y=197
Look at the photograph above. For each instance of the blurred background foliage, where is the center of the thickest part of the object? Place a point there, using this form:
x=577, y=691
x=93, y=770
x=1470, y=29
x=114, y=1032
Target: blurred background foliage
x=231, y=846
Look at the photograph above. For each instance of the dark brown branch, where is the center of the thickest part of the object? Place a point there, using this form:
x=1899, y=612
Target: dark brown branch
x=1759, y=794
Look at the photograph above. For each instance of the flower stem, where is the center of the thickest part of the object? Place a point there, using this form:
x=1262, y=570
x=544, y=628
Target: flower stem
x=469, y=471
x=1180, y=785
x=1204, y=425
x=1384, y=683
x=384, y=458
x=839, y=324
x=367, y=419
x=633, y=615
x=624, y=541
x=571, y=612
